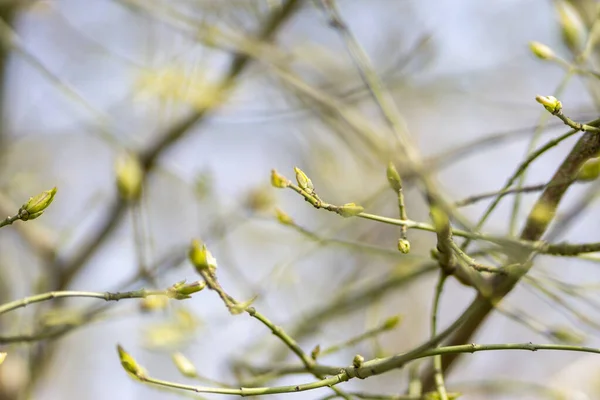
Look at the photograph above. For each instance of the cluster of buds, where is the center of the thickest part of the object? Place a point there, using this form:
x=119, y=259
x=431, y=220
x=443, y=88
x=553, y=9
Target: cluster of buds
x=307, y=189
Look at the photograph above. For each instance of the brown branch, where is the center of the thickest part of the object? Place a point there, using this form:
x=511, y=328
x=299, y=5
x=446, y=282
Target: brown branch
x=537, y=223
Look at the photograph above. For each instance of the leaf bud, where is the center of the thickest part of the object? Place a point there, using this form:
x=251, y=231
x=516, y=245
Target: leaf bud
x=350, y=210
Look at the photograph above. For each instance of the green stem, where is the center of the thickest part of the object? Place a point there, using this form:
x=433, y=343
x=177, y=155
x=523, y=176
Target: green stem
x=107, y=296
x=521, y=170
x=9, y=220
x=371, y=368
x=437, y=360
x=212, y=282
x=259, y=391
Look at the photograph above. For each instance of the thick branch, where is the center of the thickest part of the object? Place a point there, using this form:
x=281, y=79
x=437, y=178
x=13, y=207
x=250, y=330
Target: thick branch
x=537, y=223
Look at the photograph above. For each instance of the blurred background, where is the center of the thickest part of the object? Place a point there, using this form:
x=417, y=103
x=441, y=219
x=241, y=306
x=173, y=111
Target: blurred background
x=84, y=81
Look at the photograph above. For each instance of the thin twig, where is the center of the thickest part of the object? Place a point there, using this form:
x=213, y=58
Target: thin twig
x=437, y=360
x=210, y=277
x=370, y=368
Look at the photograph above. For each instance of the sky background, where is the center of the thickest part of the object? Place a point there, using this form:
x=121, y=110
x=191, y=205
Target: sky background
x=473, y=77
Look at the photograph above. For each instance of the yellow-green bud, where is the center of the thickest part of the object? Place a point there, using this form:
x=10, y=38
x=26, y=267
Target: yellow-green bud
x=153, y=303
x=304, y=181
x=279, y=181
x=550, y=103
x=200, y=256
x=403, y=246
x=259, y=199
x=541, y=51
x=542, y=213
x=350, y=210
x=36, y=205
x=358, y=361
x=181, y=290
x=392, y=322
x=440, y=219
x=129, y=175
x=314, y=354
x=129, y=364
x=2, y=357
x=393, y=177
x=184, y=365
x=572, y=25
x=283, y=217
x=589, y=171
x=566, y=335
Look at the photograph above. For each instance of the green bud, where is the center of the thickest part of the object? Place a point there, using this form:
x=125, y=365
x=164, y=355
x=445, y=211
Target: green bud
x=440, y=219
x=393, y=177
x=589, y=171
x=2, y=357
x=259, y=199
x=572, y=26
x=37, y=205
x=350, y=210
x=129, y=364
x=567, y=335
x=403, y=246
x=303, y=181
x=358, y=361
x=200, y=257
x=541, y=51
x=550, y=103
x=181, y=290
x=314, y=354
x=129, y=175
x=392, y=322
x=184, y=365
x=542, y=213
x=283, y=217
x=279, y=181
